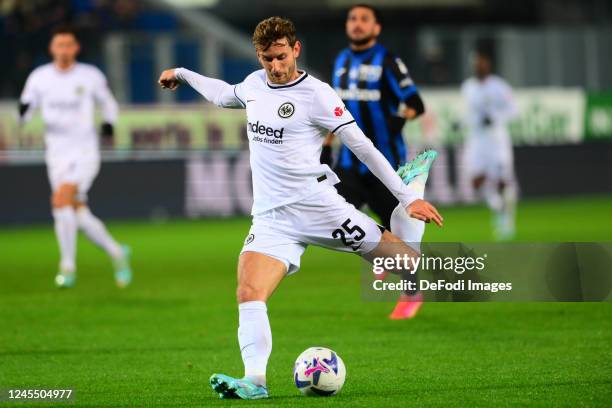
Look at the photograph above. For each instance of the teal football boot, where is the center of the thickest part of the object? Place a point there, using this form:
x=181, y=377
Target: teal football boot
x=123, y=271
x=419, y=165
x=237, y=388
x=65, y=281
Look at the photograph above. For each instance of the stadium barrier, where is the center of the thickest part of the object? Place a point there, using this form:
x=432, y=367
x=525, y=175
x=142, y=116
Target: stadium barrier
x=217, y=183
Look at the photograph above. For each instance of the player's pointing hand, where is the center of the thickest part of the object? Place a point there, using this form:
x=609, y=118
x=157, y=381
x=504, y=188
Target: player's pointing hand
x=168, y=80
x=424, y=211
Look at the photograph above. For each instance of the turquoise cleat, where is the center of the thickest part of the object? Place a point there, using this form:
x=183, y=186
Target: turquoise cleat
x=419, y=165
x=123, y=271
x=65, y=281
x=237, y=388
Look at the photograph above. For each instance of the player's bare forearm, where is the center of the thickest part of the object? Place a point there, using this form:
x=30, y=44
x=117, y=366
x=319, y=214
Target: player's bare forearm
x=168, y=80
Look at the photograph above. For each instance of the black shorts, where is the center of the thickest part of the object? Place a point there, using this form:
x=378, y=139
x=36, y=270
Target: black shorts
x=360, y=189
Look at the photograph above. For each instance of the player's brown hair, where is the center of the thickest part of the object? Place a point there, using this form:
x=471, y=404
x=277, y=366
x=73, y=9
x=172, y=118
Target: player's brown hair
x=271, y=30
x=65, y=29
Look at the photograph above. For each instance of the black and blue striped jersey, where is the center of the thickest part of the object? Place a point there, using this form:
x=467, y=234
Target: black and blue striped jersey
x=373, y=83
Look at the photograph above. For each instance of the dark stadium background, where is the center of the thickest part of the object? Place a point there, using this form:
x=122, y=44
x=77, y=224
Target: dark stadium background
x=133, y=40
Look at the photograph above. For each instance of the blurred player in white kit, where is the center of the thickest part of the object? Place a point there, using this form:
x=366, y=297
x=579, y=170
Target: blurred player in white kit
x=66, y=92
x=488, y=153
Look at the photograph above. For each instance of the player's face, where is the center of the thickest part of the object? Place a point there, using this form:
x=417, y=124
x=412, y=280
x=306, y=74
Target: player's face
x=64, y=49
x=280, y=61
x=482, y=66
x=361, y=26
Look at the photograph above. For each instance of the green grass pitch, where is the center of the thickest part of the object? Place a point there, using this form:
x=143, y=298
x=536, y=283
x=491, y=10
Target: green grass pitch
x=156, y=343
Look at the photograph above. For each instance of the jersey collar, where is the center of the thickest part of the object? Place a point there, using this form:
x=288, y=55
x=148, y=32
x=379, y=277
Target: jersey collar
x=288, y=84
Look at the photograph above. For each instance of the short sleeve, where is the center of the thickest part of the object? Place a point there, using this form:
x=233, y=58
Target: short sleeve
x=399, y=78
x=328, y=111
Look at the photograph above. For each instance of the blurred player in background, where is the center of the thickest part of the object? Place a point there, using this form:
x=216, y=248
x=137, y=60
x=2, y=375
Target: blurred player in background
x=377, y=89
x=488, y=152
x=66, y=93
x=295, y=204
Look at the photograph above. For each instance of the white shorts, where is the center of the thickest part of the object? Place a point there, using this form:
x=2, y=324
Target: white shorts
x=324, y=219
x=494, y=160
x=80, y=170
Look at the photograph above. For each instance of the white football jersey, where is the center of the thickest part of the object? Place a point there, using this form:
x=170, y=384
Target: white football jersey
x=491, y=97
x=286, y=125
x=67, y=102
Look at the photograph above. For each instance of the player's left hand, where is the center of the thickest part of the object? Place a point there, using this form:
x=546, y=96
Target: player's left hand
x=168, y=80
x=107, y=134
x=424, y=211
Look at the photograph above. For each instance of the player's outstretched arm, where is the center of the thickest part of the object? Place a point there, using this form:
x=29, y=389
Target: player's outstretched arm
x=213, y=90
x=353, y=137
x=108, y=106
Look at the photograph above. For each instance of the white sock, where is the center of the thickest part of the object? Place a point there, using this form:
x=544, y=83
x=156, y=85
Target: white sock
x=509, y=198
x=97, y=233
x=66, y=233
x=492, y=197
x=408, y=229
x=255, y=339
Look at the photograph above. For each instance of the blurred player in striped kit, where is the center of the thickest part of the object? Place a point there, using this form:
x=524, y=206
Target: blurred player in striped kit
x=66, y=92
x=377, y=89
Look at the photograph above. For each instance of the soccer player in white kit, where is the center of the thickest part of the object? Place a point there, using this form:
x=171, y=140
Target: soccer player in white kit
x=66, y=93
x=488, y=151
x=289, y=113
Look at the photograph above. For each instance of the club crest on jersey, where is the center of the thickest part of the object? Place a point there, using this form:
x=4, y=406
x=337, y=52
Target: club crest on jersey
x=79, y=90
x=286, y=110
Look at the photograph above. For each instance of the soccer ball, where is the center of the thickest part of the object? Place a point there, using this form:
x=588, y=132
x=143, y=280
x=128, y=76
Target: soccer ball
x=319, y=371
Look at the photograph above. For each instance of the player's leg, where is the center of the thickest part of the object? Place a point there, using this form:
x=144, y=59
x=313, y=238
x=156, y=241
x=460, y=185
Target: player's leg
x=480, y=160
x=414, y=174
x=411, y=230
x=65, y=223
x=258, y=277
x=391, y=246
x=94, y=229
x=331, y=222
x=385, y=206
x=507, y=189
x=268, y=255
